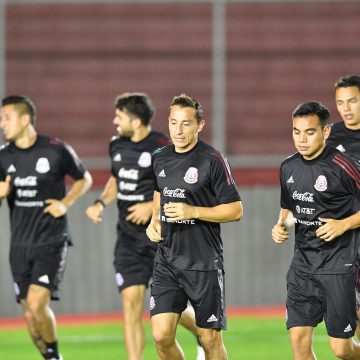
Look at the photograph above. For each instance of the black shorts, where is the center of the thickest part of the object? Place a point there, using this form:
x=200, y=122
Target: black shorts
x=172, y=288
x=312, y=298
x=40, y=265
x=133, y=260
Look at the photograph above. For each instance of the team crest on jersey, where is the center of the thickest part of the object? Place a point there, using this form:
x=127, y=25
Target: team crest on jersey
x=191, y=176
x=321, y=183
x=42, y=165
x=152, y=303
x=145, y=159
x=119, y=279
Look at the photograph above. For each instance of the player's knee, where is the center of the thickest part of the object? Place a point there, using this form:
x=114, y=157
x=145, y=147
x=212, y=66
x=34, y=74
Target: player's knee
x=343, y=351
x=163, y=339
x=36, y=308
x=29, y=316
x=300, y=342
x=210, y=340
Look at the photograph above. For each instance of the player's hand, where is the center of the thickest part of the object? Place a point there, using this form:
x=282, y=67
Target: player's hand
x=5, y=187
x=153, y=231
x=55, y=208
x=179, y=211
x=331, y=229
x=140, y=213
x=279, y=233
x=95, y=212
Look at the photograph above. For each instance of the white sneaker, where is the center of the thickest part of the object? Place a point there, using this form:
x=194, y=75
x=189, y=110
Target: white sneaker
x=200, y=353
x=61, y=358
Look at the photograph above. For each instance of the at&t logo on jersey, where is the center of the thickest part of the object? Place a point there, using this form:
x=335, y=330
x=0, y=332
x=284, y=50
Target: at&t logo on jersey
x=306, y=196
x=191, y=176
x=321, y=183
x=175, y=193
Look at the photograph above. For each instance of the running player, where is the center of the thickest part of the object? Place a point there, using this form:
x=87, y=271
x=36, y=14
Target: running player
x=132, y=184
x=321, y=187
x=32, y=177
x=345, y=135
x=194, y=192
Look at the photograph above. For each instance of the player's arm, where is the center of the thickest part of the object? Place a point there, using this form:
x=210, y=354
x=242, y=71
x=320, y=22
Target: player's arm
x=153, y=231
x=221, y=213
x=140, y=213
x=334, y=228
x=280, y=230
x=5, y=188
x=57, y=208
x=96, y=210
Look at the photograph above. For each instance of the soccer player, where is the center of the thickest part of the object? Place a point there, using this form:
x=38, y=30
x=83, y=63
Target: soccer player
x=345, y=135
x=194, y=192
x=132, y=184
x=321, y=187
x=32, y=178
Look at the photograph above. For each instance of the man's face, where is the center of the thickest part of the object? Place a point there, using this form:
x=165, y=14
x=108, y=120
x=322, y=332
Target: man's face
x=348, y=105
x=123, y=122
x=184, y=128
x=12, y=123
x=309, y=137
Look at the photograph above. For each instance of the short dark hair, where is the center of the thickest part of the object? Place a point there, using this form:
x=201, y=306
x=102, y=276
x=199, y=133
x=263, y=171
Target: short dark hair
x=136, y=105
x=313, y=108
x=184, y=100
x=347, y=81
x=23, y=105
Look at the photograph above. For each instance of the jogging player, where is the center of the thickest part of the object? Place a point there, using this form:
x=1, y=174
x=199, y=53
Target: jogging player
x=345, y=134
x=32, y=178
x=321, y=187
x=132, y=184
x=194, y=192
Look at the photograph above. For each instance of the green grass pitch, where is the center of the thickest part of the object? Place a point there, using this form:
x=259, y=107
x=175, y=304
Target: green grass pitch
x=246, y=338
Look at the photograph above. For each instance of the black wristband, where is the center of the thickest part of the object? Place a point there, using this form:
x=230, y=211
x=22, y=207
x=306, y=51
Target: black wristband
x=99, y=201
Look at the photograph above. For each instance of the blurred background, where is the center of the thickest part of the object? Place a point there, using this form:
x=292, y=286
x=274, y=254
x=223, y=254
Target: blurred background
x=249, y=63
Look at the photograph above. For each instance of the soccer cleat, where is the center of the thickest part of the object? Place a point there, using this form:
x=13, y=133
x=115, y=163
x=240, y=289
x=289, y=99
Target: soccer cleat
x=200, y=353
x=61, y=358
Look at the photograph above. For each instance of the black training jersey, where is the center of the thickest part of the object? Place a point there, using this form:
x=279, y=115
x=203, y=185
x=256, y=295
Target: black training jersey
x=325, y=187
x=37, y=174
x=131, y=166
x=200, y=177
x=345, y=140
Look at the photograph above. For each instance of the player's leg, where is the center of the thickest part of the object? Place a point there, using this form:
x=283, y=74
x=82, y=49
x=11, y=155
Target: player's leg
x=187, y=320
x=357, y=292
x=37, y=303
x=345, y=348
x=301, y=342
x=133, y=304
x=305, y=307
x=213, y=344
x=164, y=332
x=341, y=317
x=168, y=300
x=209, y=310
x=32, y=328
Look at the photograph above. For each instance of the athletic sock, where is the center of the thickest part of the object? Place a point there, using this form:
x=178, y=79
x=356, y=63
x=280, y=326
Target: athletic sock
x=52, y=351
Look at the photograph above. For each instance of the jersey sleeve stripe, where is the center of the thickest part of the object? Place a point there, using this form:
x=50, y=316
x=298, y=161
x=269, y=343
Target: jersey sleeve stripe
x=348, y=168
x=225, y=164
x=351, y=166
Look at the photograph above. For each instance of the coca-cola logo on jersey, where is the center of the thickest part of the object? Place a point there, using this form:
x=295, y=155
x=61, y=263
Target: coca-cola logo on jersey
x=175, y=193
x=306, y=196
x=132, y=174
x=27, y=181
